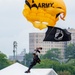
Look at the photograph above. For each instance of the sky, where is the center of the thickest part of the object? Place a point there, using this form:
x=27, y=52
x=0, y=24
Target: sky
x=14, y=27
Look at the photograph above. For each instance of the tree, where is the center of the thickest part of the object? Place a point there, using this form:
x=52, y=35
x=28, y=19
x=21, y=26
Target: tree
x=70, y=51
x=27, y=58
x=4, y=62
x=54, y=54
x=62, y=69
x=64, y=73
x=47, y=63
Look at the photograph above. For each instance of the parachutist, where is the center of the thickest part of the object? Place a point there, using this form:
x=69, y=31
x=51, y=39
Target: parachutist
x=36, y=59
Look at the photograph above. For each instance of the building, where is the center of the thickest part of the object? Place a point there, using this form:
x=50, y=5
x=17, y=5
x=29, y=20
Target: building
x=72, y=36
x=19, y=57
x=36, y=40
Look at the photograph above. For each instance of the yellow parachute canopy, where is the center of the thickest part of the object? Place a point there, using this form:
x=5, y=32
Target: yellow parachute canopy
x=43, y=13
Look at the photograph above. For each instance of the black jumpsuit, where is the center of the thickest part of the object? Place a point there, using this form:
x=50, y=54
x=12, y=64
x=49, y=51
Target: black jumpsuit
x=34, y=62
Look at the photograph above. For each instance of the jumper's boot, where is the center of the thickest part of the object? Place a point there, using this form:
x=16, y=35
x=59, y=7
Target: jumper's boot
x=27, y=71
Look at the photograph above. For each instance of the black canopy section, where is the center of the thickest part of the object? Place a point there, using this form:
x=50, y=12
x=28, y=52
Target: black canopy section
x=56, y=34
x=31, y=6
x=28, y=4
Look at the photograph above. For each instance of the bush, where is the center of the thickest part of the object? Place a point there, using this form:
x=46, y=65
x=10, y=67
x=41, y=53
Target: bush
x=64, y=73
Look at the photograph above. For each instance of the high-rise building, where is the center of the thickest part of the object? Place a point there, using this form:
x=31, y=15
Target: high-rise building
x=72, y=35
x=36, y=40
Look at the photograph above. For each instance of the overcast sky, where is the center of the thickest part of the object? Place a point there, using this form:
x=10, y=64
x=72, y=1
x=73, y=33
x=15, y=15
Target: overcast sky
x=14, y=27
